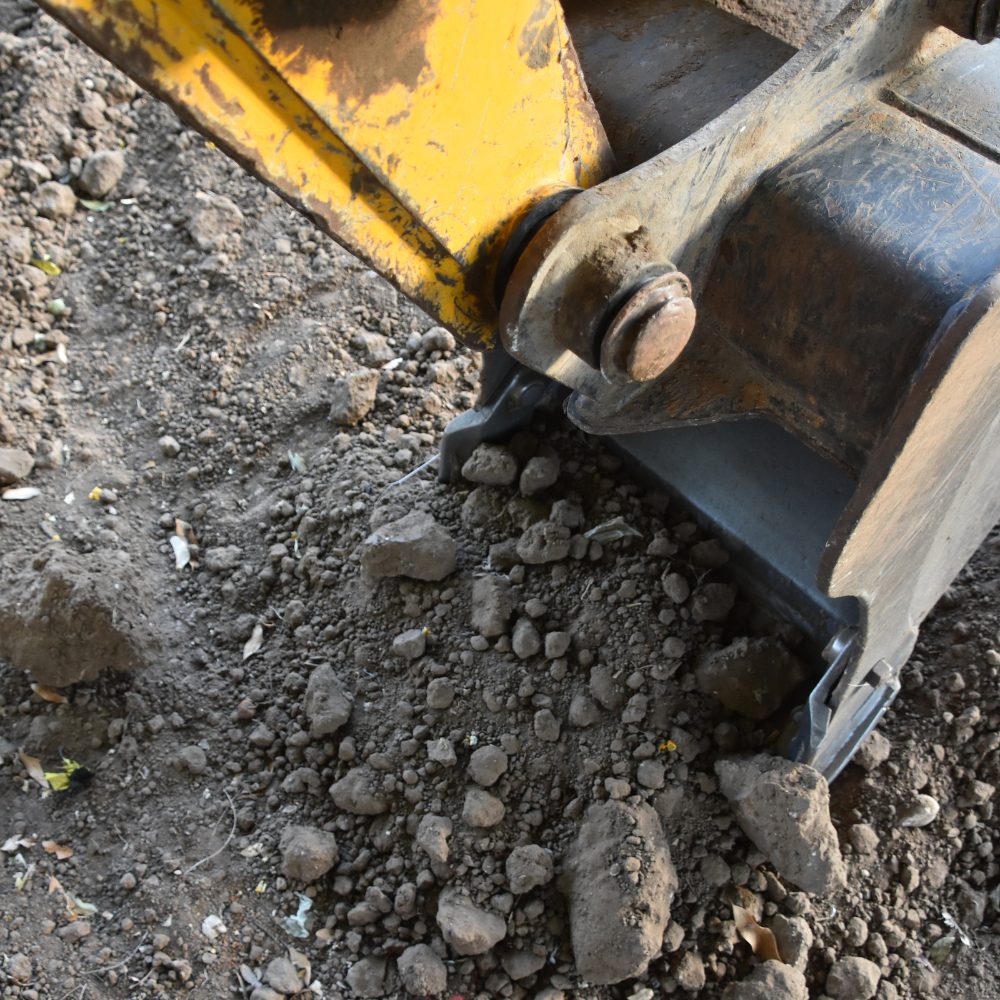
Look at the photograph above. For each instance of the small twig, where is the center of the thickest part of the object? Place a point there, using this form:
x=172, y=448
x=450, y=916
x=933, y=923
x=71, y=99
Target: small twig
x=232, y=833
x=399, y=482
x=98, y=969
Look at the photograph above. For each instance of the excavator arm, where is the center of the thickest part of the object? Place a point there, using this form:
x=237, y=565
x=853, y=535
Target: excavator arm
x=770, y=277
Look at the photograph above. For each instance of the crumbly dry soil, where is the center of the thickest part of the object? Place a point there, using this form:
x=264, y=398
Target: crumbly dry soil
x=201, y=755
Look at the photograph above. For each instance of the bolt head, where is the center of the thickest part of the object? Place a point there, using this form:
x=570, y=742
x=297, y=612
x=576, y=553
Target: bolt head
x=650, y=330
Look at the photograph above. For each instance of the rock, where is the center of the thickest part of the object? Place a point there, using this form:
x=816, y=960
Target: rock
x=483, y=506
x=169, y=446
x=19, y=968
x=556, y=644
x=440, y=694
x=75, y=932
x=307, y=853
x=784, y=808
x=690, y=972
x=222, y=558
x=521, y=963
x=482, y=809
x=421, y=971
x=67, y=619
x=327, y=703
x=492, y=465
x=432, y=837
x=618, y=916
x=281, y=976
x=528, y=867
x=491, y=605
x=437, y=338
x=410, y=645
x=101, y=172
x=922, y=811
x=352, y=397
x=525, y=640
x=546, y=725
x=358, y=792
x=795, y=938
x=713, y=602
x=606, y=688
x=266, y=993
x=371, y=977
x=486, y=765
x=539, y=473
x=770, y=981
x=468, y=929
x=55, y=201
x=441, y=752
x=874, y=751
x=193, y=759
x=863, y=838
x=750, y=676
x=650, y=774
x=543, y=542
x=583, y=711
x=15, y=464
x=852, y=978
x=415, y=546
x=676, y=587
x=214, y=218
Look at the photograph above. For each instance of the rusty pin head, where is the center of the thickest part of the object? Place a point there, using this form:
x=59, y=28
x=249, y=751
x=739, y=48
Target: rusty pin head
x=650, y=330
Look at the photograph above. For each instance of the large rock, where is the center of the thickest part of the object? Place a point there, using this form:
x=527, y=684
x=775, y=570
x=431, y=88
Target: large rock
x=492, y=605
x=421, y=971
x=353, y=396
x=307, y=853
x=543, y=542
x=784, y=808
x=359, y=792
x=214, y=218
x=66, y=618
x=469, y=929
x=750, y=676
x=15, y=464
x=619, y=891
x=770, y=981
x=328, y=703
x=853, y=978
x=528, y=867
x=102, y=171
x=372, y=977
x=415, y=546
x=491, y=465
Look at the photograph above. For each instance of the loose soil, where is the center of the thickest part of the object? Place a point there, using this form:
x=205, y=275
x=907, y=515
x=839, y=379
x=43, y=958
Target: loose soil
x=169, y=355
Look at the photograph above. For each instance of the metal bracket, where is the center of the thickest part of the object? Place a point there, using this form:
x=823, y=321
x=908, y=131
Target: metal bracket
x=511, y=393
x=844, y=707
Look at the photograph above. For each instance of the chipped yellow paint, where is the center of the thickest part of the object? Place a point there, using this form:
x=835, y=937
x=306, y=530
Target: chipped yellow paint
x=417, y=136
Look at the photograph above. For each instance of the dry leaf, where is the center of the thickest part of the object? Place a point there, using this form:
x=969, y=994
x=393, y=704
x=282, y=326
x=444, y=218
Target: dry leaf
x=255, y=641
x=182, y=552
x=21, y=493
x=20, y=881
x=34, y=768
x=77, y=907
x=54, y=885
x=301, y=962
x=46, y=265
x=59, y=850
x=15, y=843
x=49, y=694
x=184, y=530
x=761, y=939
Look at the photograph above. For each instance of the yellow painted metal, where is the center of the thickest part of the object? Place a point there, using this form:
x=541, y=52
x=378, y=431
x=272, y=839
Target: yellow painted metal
x=416, y=133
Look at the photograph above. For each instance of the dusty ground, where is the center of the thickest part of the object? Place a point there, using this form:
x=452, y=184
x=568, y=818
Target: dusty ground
x=181, y=367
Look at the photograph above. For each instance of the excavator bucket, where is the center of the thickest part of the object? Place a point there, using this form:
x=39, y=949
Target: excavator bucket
x=769, y=276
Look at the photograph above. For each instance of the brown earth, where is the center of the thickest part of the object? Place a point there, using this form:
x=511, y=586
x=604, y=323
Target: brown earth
x=174, y=379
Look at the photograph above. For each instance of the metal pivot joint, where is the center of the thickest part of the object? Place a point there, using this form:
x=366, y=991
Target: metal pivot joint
x=648, y=333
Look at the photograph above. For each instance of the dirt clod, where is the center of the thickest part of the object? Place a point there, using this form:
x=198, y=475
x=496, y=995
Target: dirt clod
x=784, y=808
